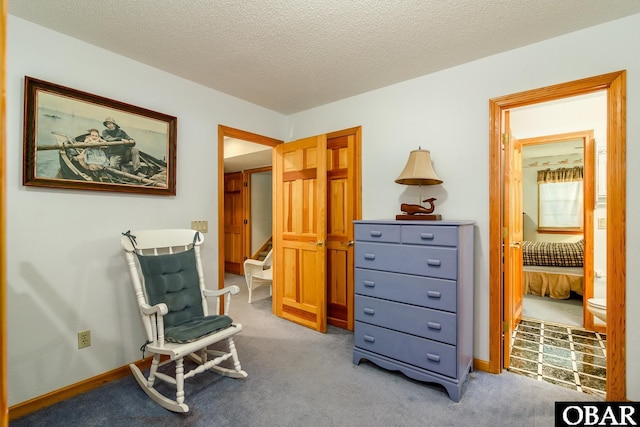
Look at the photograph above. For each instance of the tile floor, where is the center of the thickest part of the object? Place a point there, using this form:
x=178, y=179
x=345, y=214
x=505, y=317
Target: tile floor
x=559, y=354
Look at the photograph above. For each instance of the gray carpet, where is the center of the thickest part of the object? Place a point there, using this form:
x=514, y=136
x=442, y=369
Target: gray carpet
x=562, y=311
x=299, y=377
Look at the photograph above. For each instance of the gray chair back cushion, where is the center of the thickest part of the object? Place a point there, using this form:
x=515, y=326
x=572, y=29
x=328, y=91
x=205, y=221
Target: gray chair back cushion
x=173, y=279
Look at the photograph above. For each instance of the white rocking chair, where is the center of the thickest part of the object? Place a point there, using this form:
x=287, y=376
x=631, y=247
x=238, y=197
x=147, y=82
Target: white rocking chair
x=166, y=272
x=258, y=273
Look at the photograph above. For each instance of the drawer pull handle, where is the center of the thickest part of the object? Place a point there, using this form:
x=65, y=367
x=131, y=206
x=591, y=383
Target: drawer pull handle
x=434, y=262
x=370, y=256
x=370, y=311
x=376, y=233
x=434, y=325
x=426, y=236
x=433, y=357
x=369, y=283
x=433, y=294
x=369, y=338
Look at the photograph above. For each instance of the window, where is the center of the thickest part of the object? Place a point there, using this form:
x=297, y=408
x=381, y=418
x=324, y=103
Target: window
x=560, y=200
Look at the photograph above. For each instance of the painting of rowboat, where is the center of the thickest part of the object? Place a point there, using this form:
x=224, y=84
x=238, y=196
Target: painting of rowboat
x=77, y=140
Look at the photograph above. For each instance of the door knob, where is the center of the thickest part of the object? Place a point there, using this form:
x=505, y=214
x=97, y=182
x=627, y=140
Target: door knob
x=349, y=243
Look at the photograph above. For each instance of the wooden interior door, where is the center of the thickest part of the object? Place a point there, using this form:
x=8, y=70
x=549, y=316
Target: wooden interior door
x=233, y=223
x=512, y=244
x=300, y=170
x=341, y=211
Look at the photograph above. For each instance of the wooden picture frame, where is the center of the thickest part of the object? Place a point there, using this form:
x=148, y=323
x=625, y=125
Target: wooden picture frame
x=133, y=150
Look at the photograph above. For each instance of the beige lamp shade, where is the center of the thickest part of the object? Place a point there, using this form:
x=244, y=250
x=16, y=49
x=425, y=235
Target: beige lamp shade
x=419, y=170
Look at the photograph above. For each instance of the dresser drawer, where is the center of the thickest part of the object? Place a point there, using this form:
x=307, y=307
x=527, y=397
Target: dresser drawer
x=428, y=292
x=423, y=322
x=383, y=233
x=429, y=235
x=433, y=261
x=420, y=352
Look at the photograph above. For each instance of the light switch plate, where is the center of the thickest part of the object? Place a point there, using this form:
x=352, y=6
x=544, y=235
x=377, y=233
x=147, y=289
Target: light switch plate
x=201, y=226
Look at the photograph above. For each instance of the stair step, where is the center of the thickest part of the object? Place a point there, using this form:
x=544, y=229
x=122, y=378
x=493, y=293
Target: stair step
x=262, y=254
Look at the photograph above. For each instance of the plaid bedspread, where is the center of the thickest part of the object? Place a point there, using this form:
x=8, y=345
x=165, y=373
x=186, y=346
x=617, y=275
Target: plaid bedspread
x=553, y=254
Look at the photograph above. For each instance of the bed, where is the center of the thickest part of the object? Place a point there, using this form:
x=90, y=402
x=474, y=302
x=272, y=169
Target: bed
x=553, y=269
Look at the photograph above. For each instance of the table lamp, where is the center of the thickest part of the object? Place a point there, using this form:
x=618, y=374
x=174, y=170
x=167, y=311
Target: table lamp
x=419, y=171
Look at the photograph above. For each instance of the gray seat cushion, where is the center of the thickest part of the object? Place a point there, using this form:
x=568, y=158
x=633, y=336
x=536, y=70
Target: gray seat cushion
x=196, y=328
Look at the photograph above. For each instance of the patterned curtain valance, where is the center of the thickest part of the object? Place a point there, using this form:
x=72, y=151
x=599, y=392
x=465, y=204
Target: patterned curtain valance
x=561, y=175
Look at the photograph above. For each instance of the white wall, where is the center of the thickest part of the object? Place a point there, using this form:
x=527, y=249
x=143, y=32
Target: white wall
x=530, y=197
x=447, y=113
x=261, y=209
x=65, y=271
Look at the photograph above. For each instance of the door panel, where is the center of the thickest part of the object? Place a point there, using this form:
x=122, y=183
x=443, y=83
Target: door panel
x=512, y=244
x=340, y=216
x=300, y=222
x=516, y=230
x=233, y=223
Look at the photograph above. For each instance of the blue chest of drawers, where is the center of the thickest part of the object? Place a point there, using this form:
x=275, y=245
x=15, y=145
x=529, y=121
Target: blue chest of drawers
x=414, y=299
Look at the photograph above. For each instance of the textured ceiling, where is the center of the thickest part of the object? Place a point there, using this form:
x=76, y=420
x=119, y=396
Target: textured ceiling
x=292, y=55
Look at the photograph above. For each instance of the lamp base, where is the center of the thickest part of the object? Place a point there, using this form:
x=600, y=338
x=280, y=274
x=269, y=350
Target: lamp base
x=424, y=217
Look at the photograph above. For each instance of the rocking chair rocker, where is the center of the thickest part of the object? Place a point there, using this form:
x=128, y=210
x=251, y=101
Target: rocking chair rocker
x=166, y=272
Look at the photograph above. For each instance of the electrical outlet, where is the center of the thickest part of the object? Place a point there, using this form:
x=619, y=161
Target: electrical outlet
x=201, y=226
x=84, y=339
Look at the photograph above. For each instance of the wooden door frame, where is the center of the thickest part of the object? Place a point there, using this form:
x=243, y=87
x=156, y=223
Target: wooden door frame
x=615, y=86
x=4, y=409
x=588, y=202
x=245, y=136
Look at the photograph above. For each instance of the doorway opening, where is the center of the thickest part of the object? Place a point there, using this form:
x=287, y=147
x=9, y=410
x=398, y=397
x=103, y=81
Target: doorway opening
x=223, y=210
x=501, y=318
x=556, y=341
x=340, y=207
x=558, y=210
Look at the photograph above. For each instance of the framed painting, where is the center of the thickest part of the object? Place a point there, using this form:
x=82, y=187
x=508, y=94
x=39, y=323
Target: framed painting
x=77, y=140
